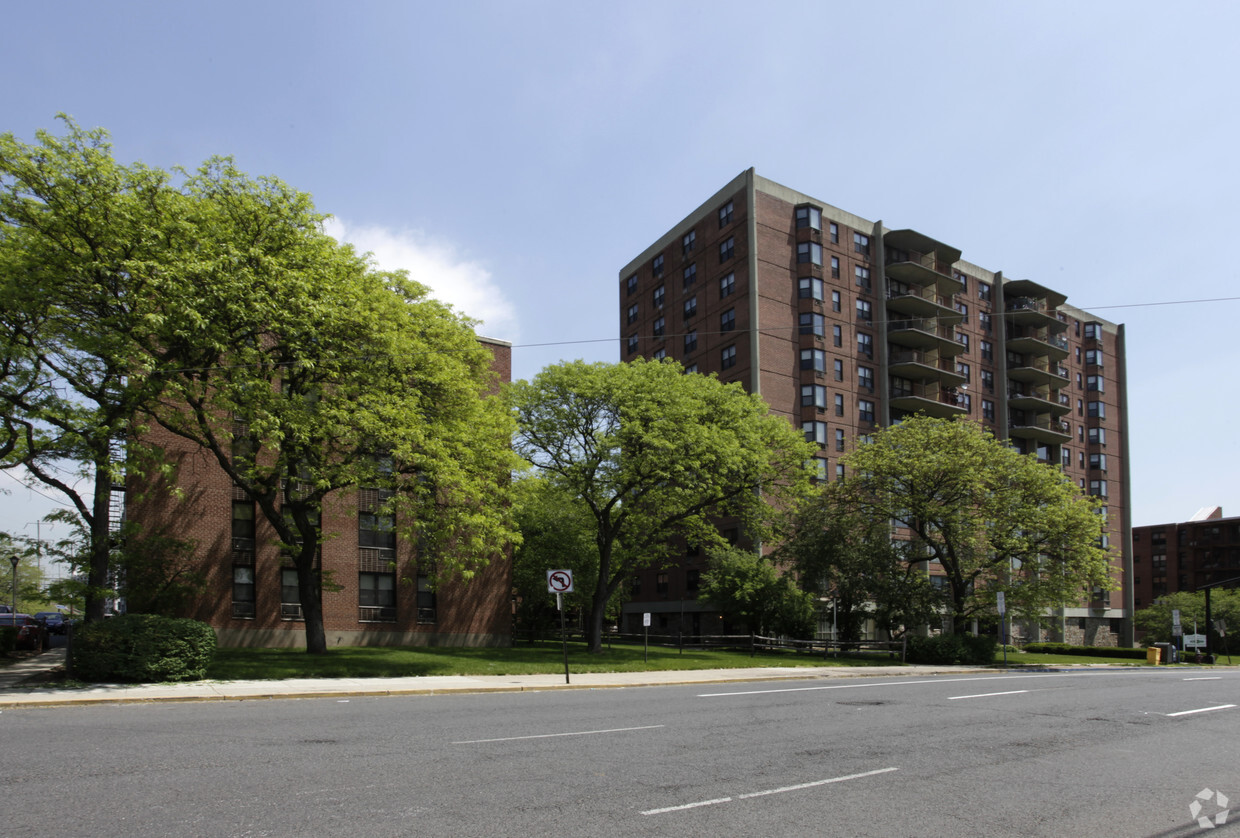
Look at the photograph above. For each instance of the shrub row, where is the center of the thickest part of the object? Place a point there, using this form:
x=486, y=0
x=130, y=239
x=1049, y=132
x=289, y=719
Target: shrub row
x=1090, y=651
x=143, y=648
x=952, y=648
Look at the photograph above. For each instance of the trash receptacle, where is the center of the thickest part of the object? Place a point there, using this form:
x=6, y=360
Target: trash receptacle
x=1166, y=652
x=1152, y=655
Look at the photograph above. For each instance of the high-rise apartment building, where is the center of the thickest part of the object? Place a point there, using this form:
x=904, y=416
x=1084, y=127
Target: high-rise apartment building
x=843, y=325
x=1192, y=555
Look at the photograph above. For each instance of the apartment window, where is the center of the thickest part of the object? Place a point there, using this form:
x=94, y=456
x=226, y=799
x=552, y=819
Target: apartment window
x=865, y=378
x=865, y=344
x=819, y=468
x=861, y=243
x=243, y=526
x=839, y=471
x=809, y=252
x=964, y=400
x=377, y=590
x=658, y=297
x=835, y=232
x=865, y=410
x=835, y=301
x=1080, y=459
x=632, y=344
x=630, y=285
x=988, y=381
x=813, y=359
x=813, y=395
x=964, y=281
x=835, y=267
x=1098, y=410
x=1098, y=488
x=988, y=350
x=725, y=214
x=659, y=354
x=1065, y=457
x=1098, y=436
x=810, y=217
x=1098, y=461
x=727, y=285
x=839, y=439
x=689, y=274
x=693, y=580
x=1093, y=357
x=691, y=368
x=862, y=275
x=809, y=288
x=837, y=335
x=864, y=310
x=1093, y=331
x=727, y=357
x=656, y=266
x=691, y=306
x=983, y=320
x=963, y=340
x=839, y=370
x=839, y=404
x=290, y=595
x=964, y=310
x=988, y=410
x=727, y=320
x=243, y=591
x=983, y=290
x=963, y=369
x=658, y=326
x=632, y=314
x=687, y=241
x=690, y=341
x=812, y=323
x=376, y=529
x=1094, y=382
x=427, y=605
x=727, y=250
x=815, y=432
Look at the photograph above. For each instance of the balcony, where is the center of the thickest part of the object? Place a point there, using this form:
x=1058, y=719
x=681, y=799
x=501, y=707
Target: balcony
x=1045, y=374
x=1040, y=429
x=1040, y=343
x=1033, y=313
x=924, y=333
x=930, y=399
x=1037, y=399
x=923, y=366
x=920, y=260
x=918, y=302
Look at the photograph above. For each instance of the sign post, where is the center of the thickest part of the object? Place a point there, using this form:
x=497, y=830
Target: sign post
x=646, y=637
x=1002, y=606
x=560, y=582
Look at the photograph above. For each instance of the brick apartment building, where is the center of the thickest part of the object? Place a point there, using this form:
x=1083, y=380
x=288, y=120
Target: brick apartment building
x=1188, y=556
x=379, y=594
x=844, y=325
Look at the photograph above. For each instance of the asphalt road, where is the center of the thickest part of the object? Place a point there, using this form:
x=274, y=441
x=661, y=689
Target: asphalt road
x=1120, y=753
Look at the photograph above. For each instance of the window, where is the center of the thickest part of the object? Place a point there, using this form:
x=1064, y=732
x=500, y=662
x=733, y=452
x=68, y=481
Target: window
x=691, y=368
x=964, y=310
x=988, y=410
x=988, y=350
x=839, y=370
x=813, y=359
x=727, y=357
x=1098, y=488
x=243, y=526
x=813, y=395
x=693, y=580
x=983, y=290
x=377, y=590
x=727, y=320
x=658, y=326
x=689, y=274
x=963, y=369
x=983, y=320
x=727, y=250
x=727, y=285
x=630, y=285
x=839, y=405
x=243, y=591
x=865, y=378
x=656, y=266
x=632, y=344
x=964, y=400
x=861, y=243
x=658, y=297
x=427, y=606
x=818, y=468
x=1098, y=461
x=865, y=344
x=835, y=301
x=660, y=354
x=1098, y=436
x=839, y=471
x=837, y=335
x=988, y=381
x=863, y=277
x=839, y=439
x=290, y=596
x=835, y=233
x=865, y=410
x=963, y=340
x=810, y=252
x=812, y=323
x=1094, y=382
x=864, y=310
x=815, y=432
x=690, y=341
x=725, y=214
x=632, y=314
x=687, y=241
x=1098, y=410
x=1093, y=331
x=835, y=267
x=964, y=281
x=691, y=306
x=1093, y=357
x=1065, y=457
x=376, y=529
x=809, y=288
x=810, y=217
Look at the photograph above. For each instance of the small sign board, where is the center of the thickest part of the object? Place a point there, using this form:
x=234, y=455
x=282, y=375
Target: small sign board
x=1194, y=641
x=560, y=581
x=1175, y=618
x=1000, y=603
x=646, y=619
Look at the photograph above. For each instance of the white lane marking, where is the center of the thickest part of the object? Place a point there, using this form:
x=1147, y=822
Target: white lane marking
x=879, y=683
x=748, y=795
x=1202, y=710
x=553, y=735
x=986, y=695
x=1206, y=678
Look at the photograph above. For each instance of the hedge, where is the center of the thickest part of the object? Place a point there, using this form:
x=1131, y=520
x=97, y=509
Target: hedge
x=952, y=648
x=1089, y=651
x=142, y=648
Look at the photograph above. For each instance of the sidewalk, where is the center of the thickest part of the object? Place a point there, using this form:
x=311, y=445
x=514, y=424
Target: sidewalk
x=14, y=694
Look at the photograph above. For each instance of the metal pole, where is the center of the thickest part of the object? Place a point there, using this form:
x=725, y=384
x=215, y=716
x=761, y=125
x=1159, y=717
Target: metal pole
x=559, y=601
x=13, y=560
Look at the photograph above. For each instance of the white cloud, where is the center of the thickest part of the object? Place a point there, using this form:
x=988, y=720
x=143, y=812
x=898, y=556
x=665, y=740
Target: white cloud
x=467, y=286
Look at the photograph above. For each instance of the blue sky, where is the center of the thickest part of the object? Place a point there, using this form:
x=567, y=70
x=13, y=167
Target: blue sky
x=515, y=155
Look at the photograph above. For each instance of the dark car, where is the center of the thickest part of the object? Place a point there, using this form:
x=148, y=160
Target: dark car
x=54, y=620
x=31, y=634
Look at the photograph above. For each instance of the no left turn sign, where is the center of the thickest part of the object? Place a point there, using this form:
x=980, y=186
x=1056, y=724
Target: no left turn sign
x=560, y=581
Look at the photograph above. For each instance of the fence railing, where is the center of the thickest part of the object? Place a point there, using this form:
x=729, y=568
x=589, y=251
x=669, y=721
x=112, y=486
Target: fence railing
x=752, y=643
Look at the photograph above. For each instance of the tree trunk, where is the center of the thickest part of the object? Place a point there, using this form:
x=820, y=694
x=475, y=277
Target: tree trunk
x=594, y=631
x=100, y=544
x=310, y=592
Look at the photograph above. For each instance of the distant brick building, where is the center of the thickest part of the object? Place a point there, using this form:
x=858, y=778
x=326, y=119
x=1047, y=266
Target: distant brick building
x=843, y=325
x=1167, y=558
x=251, y=593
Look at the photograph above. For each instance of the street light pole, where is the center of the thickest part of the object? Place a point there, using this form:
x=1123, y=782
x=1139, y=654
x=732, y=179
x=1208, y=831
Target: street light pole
x=13, y=560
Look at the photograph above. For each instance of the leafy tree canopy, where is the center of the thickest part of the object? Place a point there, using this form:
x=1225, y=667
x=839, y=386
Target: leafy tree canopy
x=748, y=587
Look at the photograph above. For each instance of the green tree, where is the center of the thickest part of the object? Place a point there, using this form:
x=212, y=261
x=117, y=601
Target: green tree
x=1155, y=619
x=654, y=454
x=749, y=587
x=993, y=519
x=31, y=576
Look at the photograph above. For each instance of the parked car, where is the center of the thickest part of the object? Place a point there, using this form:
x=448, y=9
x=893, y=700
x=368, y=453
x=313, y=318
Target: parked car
x=31, y=634
x=54, y=620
